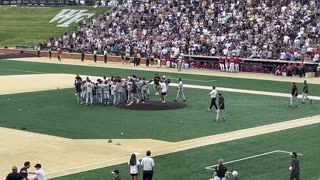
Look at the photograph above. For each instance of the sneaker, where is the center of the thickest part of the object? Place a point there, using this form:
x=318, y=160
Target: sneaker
x=163, y=102
x=175, y=100
x=138, y=101
x=209, y=109
x=142, y=102
x=310, y=101
x=184, y=100
x=303, y=102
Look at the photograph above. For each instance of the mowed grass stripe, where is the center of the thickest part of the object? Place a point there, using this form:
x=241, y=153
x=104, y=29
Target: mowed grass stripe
x=56, y=113
x=30, y=26
x=190, y=164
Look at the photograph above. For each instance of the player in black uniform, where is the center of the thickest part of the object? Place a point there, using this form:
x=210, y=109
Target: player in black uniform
x=305, y=92
x=294, y=96
x=156, y=81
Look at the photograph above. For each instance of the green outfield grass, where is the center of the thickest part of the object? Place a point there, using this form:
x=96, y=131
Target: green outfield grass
x=13, y=67
x=30, y=26
x=190, y=164
x=56, y=113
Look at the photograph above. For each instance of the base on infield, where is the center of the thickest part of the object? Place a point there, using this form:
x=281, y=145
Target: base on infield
x=152, y=105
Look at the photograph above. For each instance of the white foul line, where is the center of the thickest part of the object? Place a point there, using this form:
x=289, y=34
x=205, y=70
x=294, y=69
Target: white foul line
x=251, y=157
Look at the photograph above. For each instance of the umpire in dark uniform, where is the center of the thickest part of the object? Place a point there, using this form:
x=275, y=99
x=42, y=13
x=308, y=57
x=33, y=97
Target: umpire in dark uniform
x=294, y=167
x=220, y=172
x=82, y=54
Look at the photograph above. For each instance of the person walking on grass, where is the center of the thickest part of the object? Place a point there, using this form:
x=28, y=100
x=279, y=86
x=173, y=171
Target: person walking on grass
x=180, y=93
x=163, y=87
x=221, y=112
x=147, y=164
x=294, y=96
x=294, y=167
x=305, y=93
x=59, y=54
x=220, y=172
x=134, y=167
x=116, y=175
x=213, y=94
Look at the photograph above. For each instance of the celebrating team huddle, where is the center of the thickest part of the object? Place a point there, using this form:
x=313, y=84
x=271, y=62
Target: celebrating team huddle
x=119, y=91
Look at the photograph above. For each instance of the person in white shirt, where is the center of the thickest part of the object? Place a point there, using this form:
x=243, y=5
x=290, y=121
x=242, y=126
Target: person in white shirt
x=213, y=94
x=89, y=94
x=180, y=91
x=163, y=87
x=134, y=167
x=40, y=175
x=147, y=164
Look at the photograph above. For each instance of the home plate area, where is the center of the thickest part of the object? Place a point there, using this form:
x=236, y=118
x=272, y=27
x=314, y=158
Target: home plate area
x=153, y=105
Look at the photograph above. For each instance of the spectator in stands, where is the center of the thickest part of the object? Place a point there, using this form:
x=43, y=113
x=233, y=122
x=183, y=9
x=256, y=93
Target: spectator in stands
x=253, y=29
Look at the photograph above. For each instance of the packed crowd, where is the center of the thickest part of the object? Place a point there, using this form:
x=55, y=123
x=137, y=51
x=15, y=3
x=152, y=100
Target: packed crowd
x=122, y=91
x=286, y=29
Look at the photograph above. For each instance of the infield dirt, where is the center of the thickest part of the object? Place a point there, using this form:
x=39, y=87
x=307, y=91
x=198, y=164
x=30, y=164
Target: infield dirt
x=62, y=156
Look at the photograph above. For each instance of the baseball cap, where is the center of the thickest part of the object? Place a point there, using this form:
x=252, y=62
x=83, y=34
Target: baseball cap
x=293, y=154
x=115, y=171
x=38, y=165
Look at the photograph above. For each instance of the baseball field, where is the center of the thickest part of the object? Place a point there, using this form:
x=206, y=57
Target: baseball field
x=41, y=122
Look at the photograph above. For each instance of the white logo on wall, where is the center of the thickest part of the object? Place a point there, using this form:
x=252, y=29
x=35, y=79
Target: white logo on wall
x=68, y=16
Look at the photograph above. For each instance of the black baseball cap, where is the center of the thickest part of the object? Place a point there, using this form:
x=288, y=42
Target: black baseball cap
x=115, y=171
x=38, y=165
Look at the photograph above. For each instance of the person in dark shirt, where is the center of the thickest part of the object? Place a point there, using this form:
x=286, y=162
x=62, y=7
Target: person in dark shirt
x=24, y=170
x=14, y=175
x=294, y=167
x=221, y=109
x=116, y=175
x=305, y=92
x=156, y=81
x=220, y=172
x=294, y=96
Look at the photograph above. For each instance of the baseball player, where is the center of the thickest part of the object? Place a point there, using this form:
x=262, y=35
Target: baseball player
x=144, y=90
x=164, y=91
x=99, y=91
x=156, y=81
x=305, y=92
x=294, y=96
x=114, y=91
x=180, y=91
x=221, y=111
x=231, y=68
x=106, y=91
x=89, y=91
x=221, y=64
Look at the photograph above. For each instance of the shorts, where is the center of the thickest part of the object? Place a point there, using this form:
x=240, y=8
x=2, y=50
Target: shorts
x=163, y=93
x=134, y=174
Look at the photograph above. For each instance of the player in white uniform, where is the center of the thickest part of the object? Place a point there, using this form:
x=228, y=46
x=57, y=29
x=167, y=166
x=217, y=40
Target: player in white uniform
x=99, y=91
x=89, y=88
x=114, y=92
x=163, y=87
x=106, y=91
x=180, y=91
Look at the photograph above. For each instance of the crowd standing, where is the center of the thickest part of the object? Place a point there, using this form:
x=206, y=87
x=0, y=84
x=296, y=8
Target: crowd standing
x=267, y=29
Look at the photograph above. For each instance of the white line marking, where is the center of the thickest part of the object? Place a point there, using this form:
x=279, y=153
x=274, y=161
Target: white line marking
x=251, y=157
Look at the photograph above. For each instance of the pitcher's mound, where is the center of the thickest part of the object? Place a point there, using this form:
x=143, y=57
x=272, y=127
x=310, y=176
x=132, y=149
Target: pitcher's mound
x=152, y=105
